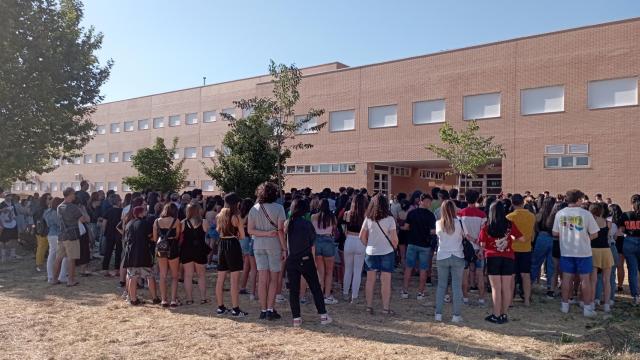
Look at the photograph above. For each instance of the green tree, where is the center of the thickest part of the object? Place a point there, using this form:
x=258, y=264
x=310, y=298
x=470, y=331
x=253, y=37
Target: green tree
x=466, y=151
x=156, y=169
x=247, y=157
x=50, y=80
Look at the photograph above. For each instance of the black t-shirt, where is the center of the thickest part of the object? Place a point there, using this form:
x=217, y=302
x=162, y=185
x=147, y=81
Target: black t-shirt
x=301, y=236
x=113, y=217
x=138, y=238
x=83, y=197
x=631, y=222
x=421, y=222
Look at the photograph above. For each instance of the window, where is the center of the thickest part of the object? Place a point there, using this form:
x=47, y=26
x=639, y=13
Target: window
x=482, y=106
x=342, y=120
x=100, y=159
x=115, y=128
x=230, y=111
x=247, y=112
x=578, y=148
x=75, y=185
x=554, y=149
x=191, y=118
x=99, y=186
x=542, y=100
x=226, y=150
x=112, y=185
x=77, y=160
x=53, y=186
x=190, y=183
x=431, y=175
x=563, y=157
x=143, y=124
x=114, y=157
x=126, y=188
x=401, y=171
x=88, y=159
x=126, y=156
x=320, y=169
x=158, y=123
x=190, y=153
x=68, y=161
x=44, y=186
x=176, y=154
x=428, y=112
x=208, y=152
x=174, y=120
x=64, y=185
x=383, y=116
x=306, y=128
x=209, y=116
x=208, y=185
x=101, y=129
x=128, y=126
x=613, y=93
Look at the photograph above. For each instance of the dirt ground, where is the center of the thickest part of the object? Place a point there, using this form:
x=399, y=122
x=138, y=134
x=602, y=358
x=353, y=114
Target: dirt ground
x=91, y=321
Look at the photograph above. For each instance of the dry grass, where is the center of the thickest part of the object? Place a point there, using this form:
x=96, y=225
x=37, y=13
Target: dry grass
x=91, y=322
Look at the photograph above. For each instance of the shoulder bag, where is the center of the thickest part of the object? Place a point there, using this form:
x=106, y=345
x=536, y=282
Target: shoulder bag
x=264, y=211
x=467, y=248
x=385, y=235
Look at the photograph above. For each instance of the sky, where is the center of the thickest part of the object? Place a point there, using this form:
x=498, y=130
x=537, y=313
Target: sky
x=163, y=45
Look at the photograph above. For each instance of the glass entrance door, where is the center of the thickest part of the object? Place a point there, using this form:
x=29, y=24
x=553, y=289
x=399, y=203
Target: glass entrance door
x=381, y=180
x=487, y=184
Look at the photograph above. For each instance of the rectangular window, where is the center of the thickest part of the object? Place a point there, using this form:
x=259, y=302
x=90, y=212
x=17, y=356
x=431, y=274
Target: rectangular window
x=342, y=120
x=77, y=160
x=99, y=186
x=209, y=116
x=53, y=186
x=100, y=158
x=428, y=112
x=307, y=127
x=191, y=119
x=176, y=154
x=230, y=111
x=542, y=100
x=383, y=116
x=75, y=185
x=208, y=185
x=64, y=185
x=483, y=106
x=143, y=124
x=325, y=168
x=174, y=120
x=126, y=188
x=101, y=129
x=208, y=152
x=578, y=148
x=114, y=157
x=115, y=128
x=554, y=149
x=88, y=159
x=613, y=93
x=112, y=185
x=126, y=156
x=567, y=162
x=247, y=112
x=158, y=123
x=581, y=161
x=190, y=153
x=128, y=126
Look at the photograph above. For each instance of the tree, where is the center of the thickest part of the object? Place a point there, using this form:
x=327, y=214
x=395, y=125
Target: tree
x=247, y=158
x=50, y=80
x=466, y=151
x=156, y=169
x=279, y=113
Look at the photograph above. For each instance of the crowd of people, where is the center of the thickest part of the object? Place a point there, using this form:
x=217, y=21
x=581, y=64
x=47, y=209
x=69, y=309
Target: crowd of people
x=321, y=243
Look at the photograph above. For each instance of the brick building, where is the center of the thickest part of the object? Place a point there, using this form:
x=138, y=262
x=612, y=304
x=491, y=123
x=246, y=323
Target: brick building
x=563, y=104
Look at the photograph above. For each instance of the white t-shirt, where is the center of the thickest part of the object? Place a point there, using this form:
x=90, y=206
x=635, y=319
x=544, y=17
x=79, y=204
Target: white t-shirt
x=449, y=244
x=378, y=243
x=575, y=224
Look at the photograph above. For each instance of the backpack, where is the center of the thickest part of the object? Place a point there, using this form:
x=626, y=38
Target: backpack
x=42, y=229
x=163, y=247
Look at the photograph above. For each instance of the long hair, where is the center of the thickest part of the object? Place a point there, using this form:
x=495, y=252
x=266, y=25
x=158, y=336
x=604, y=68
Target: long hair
x=245, y=207
x=378, y=208
x=497, y=223
x=194, y=212
x=557, y=207
x=170, y=210
x=325, y=216
x=545, y=211
x=299, y=208
x=616, y=213
x=231, y=209
x=43, y=201
x=357, y=210
x=636, y=206
x=56, y=202
x=448, y=216
x=314, y=205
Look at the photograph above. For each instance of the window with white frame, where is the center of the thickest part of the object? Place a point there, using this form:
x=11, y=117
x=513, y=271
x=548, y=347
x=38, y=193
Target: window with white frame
x=112, y=185
x=77, y=160
x=64, y=185
x=126, y=188
x=76, y=185
x=100, y=158
x=321, y=169
x=129, y=126
x=174, y=120
x=126, y=156
x=208, y=185
x=53, y=186
x=483, y=106
x=143, y=124
x=88, y=159
x=578, y=148
x=158, y=123
x=429, y=112
x=208, y=151
x=115, y=128
x=431, y=174
x=401, y=171
x=613, y=93
x=307, y=127
x=542, y=100
x=101, y=129
x=567, y=157
x=209, y=116
x=191, y=118
x=383, y=116
x=554, y=149
x=176, y=154
x=190, y=153
x=99, y=186
x=114, y=157
x=230, y=111
x=343, y=120
x=44, y=186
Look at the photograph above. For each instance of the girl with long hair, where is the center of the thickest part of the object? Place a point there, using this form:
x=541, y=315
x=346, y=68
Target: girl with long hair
x=193, y=252
x=325, y=223
x=616, y=216
x=542, y=252
x=403, y=235
x=168, y=226
x=41, y=230
x=602, y=257
x=353, y=248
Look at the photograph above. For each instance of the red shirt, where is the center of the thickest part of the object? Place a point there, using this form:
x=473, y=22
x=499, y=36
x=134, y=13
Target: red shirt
x=491, y=248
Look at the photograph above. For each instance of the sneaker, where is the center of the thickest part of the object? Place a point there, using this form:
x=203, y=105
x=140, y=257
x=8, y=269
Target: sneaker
x=597, y=302
x=550, y=295
x=243, y=292
x=438, y=317
x=481, y=302
x=636, y=300
x=564, y=307
x=221, y=310
x=456, y=319
x=330, y=300
x=325, y=319
x=607, y=308
x=503, y=319
x=465, y=301
x=280, y=299
x=473, y=288
x=492, y=319
x=346, y=297
x=447, y=298
x=297, y=322
x=263, y=315
x=581, y=304
x=588, y=312
x=156, y=301
x=236, y=312
x=273, y=315
x=404, y=294
x=421, y=296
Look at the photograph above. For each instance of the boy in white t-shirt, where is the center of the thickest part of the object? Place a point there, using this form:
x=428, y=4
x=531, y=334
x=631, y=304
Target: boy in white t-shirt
x=576, y=227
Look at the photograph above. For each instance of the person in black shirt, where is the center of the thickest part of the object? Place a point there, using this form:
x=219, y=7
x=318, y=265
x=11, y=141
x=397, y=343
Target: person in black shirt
x=421, y=224
x=301, y=238
x=112, y=237
x=629, y=224
x=137, y=259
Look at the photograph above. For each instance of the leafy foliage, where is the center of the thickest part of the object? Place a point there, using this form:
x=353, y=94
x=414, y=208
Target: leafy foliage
x=156, y=169
x=466, y=151
x=50, y=82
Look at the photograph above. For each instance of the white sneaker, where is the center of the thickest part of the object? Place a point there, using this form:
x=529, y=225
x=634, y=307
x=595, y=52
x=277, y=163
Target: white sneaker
x=564, y=307
x=297, y=322
x=404, y=294
x=582, y=304
x=607, y=308
x=325, y=319
x=456, y=319
x=588, y=312
x=438, y=317
x=280, y=299
x=481, y=302
x=421, y=296
x=573, y=301
x=346, y=297
x=465, y=301
x=597, y=302
x=330, y=300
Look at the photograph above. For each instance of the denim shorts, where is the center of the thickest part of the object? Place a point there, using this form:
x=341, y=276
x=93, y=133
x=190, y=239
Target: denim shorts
x=478, y=263
x=245, y=244
x=325, y=246
x=576, y=265
x=420, y=256
x=268, y=259
x=381, y=263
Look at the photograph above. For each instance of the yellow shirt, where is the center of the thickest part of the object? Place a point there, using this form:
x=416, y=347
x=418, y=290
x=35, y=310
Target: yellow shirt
x=525, y=221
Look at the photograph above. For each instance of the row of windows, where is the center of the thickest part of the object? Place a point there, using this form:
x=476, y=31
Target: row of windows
x=431, y=175
x=320, y=169
x=206, y=185
x=567, y=156
x=114, y=157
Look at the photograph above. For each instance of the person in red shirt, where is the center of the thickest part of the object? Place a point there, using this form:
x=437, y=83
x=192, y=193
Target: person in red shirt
x=496, y=237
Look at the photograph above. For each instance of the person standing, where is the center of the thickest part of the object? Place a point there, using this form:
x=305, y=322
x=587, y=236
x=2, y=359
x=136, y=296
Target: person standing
x=138, y=260
x=69, y=238
x=354, y=250
x=325, y=223
x=82, y=196
x=9, y=225
x=473, y=218
x=50, y=216
x=525, y=221
x=167, y=227
x=629, y=224
x=602, y=256
x=112, y=236
x=543, y=250
x=44, y=202
x=193, y=253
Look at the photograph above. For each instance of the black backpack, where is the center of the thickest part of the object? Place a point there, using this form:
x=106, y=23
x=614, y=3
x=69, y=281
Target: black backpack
x=163, y=247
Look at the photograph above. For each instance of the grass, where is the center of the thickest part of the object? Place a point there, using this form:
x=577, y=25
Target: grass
x=92, y=322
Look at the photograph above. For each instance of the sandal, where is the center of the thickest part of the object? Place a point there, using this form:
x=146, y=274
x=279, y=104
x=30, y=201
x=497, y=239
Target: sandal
x=205, y=301
x=369, y=310
x=388, y=312
x=174, y=304
x=74, y=284
x=164, y=304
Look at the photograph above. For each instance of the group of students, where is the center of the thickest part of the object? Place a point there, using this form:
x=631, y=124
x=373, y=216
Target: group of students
x=316, y=239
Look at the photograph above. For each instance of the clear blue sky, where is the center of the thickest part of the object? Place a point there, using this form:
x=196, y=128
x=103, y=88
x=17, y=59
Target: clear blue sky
x=162, y=45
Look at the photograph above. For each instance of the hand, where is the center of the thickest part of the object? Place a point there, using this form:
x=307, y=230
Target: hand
x=283, y=255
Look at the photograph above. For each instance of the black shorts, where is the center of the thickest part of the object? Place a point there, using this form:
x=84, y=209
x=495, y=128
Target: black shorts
x=619, y=243
x=230, y=255
x=555, y=250
x=8, y=235
x=403, y=237
x=523, y=262
x=501, y=266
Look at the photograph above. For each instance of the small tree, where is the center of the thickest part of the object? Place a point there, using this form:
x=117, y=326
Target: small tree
x=466, y=151
x=156, y=169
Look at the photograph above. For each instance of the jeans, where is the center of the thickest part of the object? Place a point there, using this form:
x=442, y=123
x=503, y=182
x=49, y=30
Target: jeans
x=111, y=243
x=353, y=263
x=454, y=266
x=631, y=249
x=599, y=288
x=306, y=268
x=541, y=252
